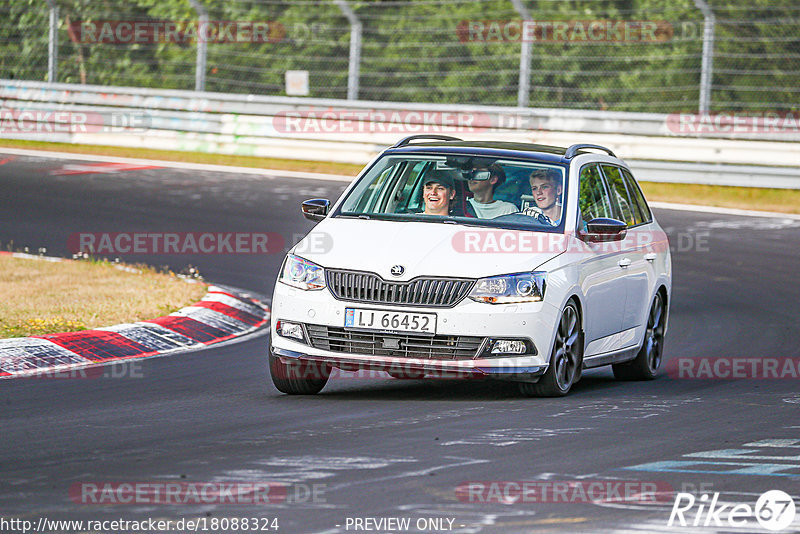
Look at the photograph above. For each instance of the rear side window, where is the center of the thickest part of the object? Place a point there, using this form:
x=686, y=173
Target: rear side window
x=636, y=195
x=620, y=197
x=593, y=197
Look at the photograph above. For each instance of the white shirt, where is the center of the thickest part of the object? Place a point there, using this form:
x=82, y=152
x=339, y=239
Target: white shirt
x=493, y=209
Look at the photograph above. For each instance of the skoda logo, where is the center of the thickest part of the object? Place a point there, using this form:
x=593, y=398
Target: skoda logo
x=397, y=270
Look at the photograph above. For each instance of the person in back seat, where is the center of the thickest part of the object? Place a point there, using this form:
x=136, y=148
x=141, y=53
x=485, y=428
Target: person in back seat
x=483, y=201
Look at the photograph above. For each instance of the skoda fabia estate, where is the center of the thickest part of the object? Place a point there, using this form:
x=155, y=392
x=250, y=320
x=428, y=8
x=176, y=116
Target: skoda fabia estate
x=451, y=258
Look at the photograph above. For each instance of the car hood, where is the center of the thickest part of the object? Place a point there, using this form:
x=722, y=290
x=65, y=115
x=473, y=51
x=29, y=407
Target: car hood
x=422, y=248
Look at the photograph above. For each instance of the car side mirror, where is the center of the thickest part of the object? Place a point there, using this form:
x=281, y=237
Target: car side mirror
x=601, y=229
x=315, y=209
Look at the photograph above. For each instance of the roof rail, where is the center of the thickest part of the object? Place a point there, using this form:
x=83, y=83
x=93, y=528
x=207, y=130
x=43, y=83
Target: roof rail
x=573, y=150
x=407, y=140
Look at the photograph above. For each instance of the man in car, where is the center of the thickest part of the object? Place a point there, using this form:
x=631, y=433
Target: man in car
x=483, y=182
x=438, y=192
x=546, y=189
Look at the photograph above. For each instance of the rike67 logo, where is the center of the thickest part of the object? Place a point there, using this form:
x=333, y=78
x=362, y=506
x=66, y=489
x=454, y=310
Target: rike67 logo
x=774, y=510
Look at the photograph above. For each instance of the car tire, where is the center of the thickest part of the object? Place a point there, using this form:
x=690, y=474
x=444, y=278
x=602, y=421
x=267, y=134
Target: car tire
x=298, y=378
x=648, y=360
x=566, y=358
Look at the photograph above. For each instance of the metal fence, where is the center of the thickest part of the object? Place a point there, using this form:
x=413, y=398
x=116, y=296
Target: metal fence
x=619, y=55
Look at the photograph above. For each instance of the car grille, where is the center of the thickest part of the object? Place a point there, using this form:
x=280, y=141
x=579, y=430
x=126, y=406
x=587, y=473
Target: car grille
x=369, y=287
x=439, y=347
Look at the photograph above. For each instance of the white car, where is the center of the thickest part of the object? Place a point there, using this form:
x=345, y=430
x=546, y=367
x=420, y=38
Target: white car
x=451, y=258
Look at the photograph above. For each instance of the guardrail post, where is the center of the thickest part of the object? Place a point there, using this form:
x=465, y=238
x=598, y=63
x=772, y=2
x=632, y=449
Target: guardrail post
x=52, y=43
x=708, y=55
x=200, y=64
x=523, y=91
x=355, y=49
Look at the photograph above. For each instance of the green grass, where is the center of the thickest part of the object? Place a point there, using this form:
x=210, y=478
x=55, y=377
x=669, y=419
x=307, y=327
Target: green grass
x=748, y=198
x=190, y=157
x=42, y=297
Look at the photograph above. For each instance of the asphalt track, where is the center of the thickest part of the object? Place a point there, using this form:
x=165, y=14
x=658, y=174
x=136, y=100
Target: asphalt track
x=386, y=447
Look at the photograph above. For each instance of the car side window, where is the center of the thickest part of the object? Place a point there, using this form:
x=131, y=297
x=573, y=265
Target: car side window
x=369, y=199
x=405, y=198
x=637, y=196
x=619, y=195
x=593, y=197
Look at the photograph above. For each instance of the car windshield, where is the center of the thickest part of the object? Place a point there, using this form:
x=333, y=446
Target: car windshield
x=475, y=190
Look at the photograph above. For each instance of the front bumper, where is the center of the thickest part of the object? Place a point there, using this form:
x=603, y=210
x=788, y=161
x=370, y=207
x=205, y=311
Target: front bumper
x=533, y=321
x=405, y=366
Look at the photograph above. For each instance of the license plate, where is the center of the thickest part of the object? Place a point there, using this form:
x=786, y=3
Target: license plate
x=390, y=321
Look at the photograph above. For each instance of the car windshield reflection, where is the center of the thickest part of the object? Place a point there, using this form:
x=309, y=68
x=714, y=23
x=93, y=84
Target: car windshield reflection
x=478, y=191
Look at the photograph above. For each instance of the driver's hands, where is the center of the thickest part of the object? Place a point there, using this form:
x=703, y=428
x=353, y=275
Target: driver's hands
x=533, y=211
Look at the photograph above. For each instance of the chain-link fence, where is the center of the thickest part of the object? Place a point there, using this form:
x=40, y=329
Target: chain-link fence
x=623, y=55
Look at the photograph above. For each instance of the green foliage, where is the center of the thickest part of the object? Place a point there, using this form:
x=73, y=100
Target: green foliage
x=23, y=39
x=415, y=50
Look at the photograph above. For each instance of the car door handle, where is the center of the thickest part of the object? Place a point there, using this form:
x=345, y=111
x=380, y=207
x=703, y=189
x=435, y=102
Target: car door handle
x=650, y=256
x=624, y=262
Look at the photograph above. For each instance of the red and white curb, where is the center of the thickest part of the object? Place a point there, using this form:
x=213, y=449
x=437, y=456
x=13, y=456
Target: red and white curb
x=221, y=315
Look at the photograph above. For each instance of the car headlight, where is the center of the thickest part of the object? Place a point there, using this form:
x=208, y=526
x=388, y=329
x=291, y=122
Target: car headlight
x=510, y=288
x=302, y=274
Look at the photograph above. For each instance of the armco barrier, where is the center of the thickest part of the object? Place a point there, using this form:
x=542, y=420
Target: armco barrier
x=256, y=126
